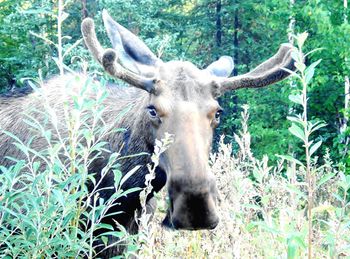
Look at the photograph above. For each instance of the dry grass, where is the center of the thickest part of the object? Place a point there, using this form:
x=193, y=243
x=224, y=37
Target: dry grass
x=263, y=212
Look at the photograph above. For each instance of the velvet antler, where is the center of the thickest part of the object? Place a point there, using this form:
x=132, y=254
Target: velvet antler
x=271, y=71
x=109, y=59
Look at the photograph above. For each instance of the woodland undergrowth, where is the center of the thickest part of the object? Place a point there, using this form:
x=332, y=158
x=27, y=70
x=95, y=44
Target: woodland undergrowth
x=297, y=208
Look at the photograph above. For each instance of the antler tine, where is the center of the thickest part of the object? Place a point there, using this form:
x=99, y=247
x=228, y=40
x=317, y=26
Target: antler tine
x=108, y=59
x=109, y=62
x=91, y=41
x=269, y=72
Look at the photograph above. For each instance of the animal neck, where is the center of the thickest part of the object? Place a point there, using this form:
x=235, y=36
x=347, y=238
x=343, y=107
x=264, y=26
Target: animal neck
x=129, y=126
x=132, y=135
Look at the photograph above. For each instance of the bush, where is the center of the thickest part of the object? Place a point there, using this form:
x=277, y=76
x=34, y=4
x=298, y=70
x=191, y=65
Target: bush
x=46, y=208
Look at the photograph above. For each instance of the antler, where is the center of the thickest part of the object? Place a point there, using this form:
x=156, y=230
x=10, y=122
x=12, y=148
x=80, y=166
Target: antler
x=271, y=71
x=108, y=59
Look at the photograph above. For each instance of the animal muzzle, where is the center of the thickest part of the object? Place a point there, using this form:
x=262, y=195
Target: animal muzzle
x=192, y=211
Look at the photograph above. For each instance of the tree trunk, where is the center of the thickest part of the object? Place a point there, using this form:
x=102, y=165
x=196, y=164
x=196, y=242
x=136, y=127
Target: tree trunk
x=235, y=40
x=344, y=121
x=345, y=10
x=218, y=24
x=291, y=23
x=84, y=11
x=235, y=56
x=292, y=83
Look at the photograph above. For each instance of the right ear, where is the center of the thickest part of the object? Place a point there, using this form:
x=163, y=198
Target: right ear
x=223, y=67
x=133, y=54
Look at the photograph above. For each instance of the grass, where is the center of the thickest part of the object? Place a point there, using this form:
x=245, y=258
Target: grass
x=297, y=208
x=263, y=211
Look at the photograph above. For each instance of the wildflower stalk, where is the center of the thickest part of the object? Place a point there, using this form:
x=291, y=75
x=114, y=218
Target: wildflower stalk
x=309, y=175
x=303, y=128
x=145, y=233
x=60, y=19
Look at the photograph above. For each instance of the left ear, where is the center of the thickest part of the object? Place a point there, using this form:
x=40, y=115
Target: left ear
x=222, y=67
x=132, y=52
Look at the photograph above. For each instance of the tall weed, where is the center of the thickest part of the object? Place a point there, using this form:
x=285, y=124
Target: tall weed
x=297, y=208
x=46, y=208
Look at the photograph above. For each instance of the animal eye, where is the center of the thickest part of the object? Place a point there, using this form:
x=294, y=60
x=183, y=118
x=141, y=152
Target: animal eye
x=152, y=111
x=218, y=114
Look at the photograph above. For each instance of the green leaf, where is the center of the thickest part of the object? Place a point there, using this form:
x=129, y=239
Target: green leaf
x=266, y=227
x=72, y=47
x=128, y=174
x=300, y=66
x=301, y=38
x=309, y=72
x=293, y=189
x=297, y=98
x=294, y=242
x=131, y=190
x=337, y=196
x=64, y=16
x=117, y=177
x=293, y=73
x=58, y=197
x=295, y=56
x=296, y=119
x=314, y=147
x=325, y=179
x=291, y=159
x=258, y=177
x=104, y=240
x=113, y=233
x=297, y=131
x=291, y=250
x=317, y=126
x=104, y=226
x=251, y=206
x=312, y=51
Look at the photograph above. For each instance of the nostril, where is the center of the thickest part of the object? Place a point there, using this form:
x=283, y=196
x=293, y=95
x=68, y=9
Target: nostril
x=170, y=222
x=214, y=223
x=177, y=224
x=194, y=216
x=194, y=225
x=192, y=209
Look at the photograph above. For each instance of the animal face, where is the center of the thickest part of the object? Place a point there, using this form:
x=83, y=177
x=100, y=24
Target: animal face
x=181, y=101
x=184, y=106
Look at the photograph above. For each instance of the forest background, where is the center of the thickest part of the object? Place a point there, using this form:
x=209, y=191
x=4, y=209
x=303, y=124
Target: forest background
x=201, y=31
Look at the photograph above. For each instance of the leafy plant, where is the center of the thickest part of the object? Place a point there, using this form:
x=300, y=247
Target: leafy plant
x=50, y=205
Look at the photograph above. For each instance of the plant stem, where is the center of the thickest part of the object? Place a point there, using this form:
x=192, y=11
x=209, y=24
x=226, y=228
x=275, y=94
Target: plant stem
x=59, y=36
x=309, y=175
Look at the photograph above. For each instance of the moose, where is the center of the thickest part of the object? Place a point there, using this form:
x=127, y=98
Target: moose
x=172, y=97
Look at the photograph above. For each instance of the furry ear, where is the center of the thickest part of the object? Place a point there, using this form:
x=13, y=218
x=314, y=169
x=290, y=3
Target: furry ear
x=110, y=60
x=129, y=47
x=223, y=67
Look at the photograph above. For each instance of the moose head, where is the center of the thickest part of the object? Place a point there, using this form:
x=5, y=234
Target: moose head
x=181, y=100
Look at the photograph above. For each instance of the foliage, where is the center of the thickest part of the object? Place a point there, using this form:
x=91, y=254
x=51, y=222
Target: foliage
x=46, y=208
x=328, y=29
x=179, y=29
x=28, y=40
